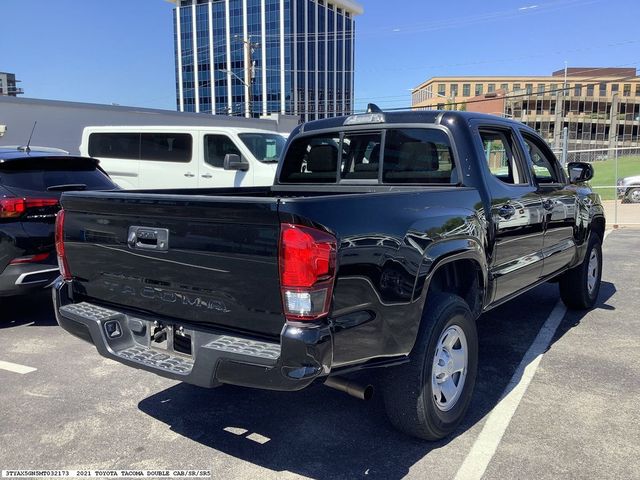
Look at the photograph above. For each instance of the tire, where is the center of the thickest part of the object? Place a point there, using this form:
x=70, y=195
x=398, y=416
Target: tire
x=579, y=287
x=411, y=402
x=633, y=195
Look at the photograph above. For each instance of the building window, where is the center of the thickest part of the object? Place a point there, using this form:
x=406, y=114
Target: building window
x=442, y=88
x=603, y=89
x=626, y=90
x=553, y=88
x=504, y=86
x=491, y=87
x=466, y=89
x=614, y=88
x=529, y=88
x=454, y=89
x=516, y=87
x=541, y=88
x=590, y=90
x=577, y=89
x=479, y=88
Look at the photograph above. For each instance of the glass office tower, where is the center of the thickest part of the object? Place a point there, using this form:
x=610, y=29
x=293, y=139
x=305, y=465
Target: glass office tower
x=256, y=57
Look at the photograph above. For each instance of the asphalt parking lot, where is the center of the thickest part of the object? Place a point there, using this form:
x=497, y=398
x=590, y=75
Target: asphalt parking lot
x=578, y=418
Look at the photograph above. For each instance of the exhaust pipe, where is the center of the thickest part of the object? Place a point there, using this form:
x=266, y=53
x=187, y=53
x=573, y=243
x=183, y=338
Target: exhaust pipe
x=363, y=392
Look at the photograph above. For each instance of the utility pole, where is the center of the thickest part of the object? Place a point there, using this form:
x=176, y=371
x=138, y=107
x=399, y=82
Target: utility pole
x=249, y=73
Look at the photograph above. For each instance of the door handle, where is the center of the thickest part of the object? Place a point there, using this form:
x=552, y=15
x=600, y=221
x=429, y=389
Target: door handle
x=189, y=174
x=506, y=211
x=207, y=175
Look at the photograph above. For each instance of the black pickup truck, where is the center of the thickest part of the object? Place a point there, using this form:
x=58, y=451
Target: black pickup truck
x=383, y=239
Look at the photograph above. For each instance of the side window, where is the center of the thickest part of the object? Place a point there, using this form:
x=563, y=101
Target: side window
x=115, y=145
x=215, y=149
x=543, y=163
x=360, y=156
x=312, y=160
x=501, y=156
x=166, y=147
x=418, y=155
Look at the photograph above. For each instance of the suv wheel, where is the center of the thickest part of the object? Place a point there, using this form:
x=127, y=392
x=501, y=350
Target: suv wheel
x=633, y=195
x=429, y=396
x=579, y=287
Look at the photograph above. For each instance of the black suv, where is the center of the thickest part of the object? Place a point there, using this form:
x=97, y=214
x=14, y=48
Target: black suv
x=31, y=183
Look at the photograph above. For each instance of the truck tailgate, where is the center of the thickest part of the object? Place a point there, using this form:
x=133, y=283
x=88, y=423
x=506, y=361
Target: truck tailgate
x=200, y=259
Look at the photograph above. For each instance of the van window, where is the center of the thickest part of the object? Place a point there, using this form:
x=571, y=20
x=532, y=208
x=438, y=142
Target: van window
x=166, y=147
x=161, y=147
x=216, y=147
x=115, y=145
x=417, y=155
x=266, y=147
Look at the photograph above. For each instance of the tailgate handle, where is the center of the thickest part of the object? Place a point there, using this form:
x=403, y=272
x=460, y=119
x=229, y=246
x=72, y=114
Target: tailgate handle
x=148, y=238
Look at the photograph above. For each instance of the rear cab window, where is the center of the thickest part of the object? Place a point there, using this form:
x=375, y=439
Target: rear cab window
x=389, y=156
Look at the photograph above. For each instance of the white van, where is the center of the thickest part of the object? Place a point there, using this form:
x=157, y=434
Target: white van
x=149, y=157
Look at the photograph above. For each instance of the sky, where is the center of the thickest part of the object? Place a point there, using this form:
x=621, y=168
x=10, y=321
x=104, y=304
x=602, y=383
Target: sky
x=121, y=51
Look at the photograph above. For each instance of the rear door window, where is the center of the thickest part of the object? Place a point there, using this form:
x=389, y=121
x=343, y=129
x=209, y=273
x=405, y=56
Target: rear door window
x=418, y=155
x=166, y=147
x=502, y=156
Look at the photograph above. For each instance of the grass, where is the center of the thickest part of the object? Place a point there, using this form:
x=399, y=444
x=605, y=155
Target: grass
x=605, y=174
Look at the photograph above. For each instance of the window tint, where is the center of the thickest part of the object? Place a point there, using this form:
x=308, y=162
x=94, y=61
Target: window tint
x=361, y=155
x=500, y=154
x=312, y=160
x=166, y=147
x=417, y=156
x=38, y=176
x=216, y=147
x=542, y=160
x=162, y=147
x=115, y=145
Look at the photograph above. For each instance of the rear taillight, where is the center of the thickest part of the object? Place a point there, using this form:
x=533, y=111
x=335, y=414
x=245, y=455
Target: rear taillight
x=62, y=258
x=37, y=258
x=307, y=271
x=16, y=207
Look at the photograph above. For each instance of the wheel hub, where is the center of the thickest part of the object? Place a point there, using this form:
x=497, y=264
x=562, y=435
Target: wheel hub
x=449, y=369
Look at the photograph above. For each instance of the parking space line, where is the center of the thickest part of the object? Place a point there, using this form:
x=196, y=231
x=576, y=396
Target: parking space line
x=15, y=368
x=485, y=446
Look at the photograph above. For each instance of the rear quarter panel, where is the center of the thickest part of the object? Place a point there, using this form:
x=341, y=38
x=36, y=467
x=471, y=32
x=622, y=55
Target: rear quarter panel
x=387, y=245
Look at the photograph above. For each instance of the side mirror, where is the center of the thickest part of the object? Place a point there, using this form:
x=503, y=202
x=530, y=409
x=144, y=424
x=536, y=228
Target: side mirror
x=233, y=161
x=580, y=172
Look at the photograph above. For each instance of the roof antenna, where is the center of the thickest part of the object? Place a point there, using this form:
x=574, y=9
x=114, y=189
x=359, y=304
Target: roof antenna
x=373, y=108
x=27, y=148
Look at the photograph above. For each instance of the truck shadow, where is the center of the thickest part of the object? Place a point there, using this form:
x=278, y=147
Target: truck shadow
x=34, y=309
x=321, y=433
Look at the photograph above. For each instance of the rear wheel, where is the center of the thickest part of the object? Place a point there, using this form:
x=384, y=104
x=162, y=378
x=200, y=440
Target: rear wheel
x=579, y=287
x=429, y=396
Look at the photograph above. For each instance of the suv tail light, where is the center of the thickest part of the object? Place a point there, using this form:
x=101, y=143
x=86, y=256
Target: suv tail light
x=307, y=271
x=16, y=207
x=62, y=258
x=38, y=257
